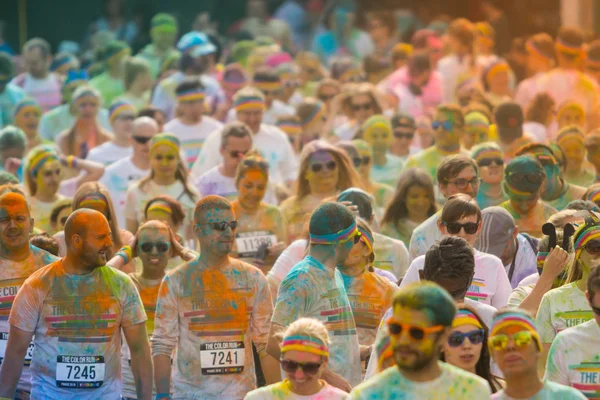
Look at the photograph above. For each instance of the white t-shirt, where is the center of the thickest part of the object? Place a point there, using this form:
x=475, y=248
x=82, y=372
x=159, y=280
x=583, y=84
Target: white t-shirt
x=281, y=390
x=561, y=308
x=490, y=284
x=108, y=153
x=573, y=359
x=192, y=137
x=424, y=236
x=550, y=391
x=390, y=255
x=270, y=141
x=117, y=178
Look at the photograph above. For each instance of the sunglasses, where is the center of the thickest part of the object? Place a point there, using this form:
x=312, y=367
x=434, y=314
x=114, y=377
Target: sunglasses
x=400, y=135
x=141, y=139
x=446, y=125
x=326, y=97
x=463, y=183
x=292, y=366
x=161, y=247
x=238, y=154
x=356, y=161
x=456, y=339
x=486, y=162
x=520, y=177
x=521, y=339
x=364, y=106
x=255, y=164
x=416, y=332
x=331, y=165
x=593, y=247
x=222, y=225
x=455, y=227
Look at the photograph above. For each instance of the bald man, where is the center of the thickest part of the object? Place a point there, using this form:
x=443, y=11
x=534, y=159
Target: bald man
x=77, y=308
x=125, y=172
x=18, y=260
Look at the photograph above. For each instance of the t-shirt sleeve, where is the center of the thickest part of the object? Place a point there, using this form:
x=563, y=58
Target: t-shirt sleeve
x=517, y=296
x=133, y=309
x=412, y=274
x=503, y=288
x=26, y=308
x=543, y=321
x=556, y=365
x=166, y=319
x=262, y=312
x=291, y=300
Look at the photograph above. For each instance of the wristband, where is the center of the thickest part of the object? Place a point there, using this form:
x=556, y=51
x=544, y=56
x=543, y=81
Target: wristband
x=72, y=162
x=126, y=253
x=163, y=396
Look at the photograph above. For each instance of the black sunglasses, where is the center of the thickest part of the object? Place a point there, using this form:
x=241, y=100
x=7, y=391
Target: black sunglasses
x=593, y=247
x=161, y=247
x=326, y=97
x=400, y=135
x=364, y=106
x=292, y=366
x=463, y=183
x=222, y=225
x=331, y=165
x=486, y=162
x=456, y=339
x=520, y=177
x=256, y=164
x=455, y=227
x=141, y=139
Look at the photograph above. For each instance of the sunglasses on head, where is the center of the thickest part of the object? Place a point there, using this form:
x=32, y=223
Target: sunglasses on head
x=238, y=154
x=593, y=247
x=456, y=339
x=463, y=183
x=486, y=162
x=222, y=225
x=416, y=332
x=141, y=139
x=256, y=164
x=521, y=339
x=521, y=177
x=331, y=165
x=446, y=125
x=363, y=106
x=292, y=366
x=161, y=247
x=455, y=227
x=404, y=135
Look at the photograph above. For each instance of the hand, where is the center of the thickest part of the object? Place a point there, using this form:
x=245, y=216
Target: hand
x=336, y=380
x=177, y=247
x=12, y=165
x=276, y=249
x=351, y=207
x=555, y=263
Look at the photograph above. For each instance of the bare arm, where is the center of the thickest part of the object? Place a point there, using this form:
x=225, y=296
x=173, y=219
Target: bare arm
x=141, y=360
x=162, y=373
x=12, y=365
x=270, y=369
x=93, y=170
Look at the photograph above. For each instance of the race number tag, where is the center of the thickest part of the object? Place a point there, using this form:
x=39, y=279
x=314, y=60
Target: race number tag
x=220, y=358
x=248, y=242
x=3, y=344
x=80, y=372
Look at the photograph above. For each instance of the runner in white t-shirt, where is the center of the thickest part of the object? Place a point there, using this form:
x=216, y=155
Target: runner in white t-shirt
x=119, y=176
x=190, y=126
x=121, y=115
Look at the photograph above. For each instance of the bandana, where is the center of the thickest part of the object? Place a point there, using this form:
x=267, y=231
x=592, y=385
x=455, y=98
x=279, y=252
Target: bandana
x=567, y=48
x=336, y=238
x=305, y=343
x=160, y=206
x=248, y=102
x=191, y=95
x=318, y=112
x=291, y=128
x=163, y=22
x=37, y=161
x=541, y=258
x=465, y=317
x=515, y=319
x=530, y=46
x=167, y=139
x=94, y=199
x=119, y=108
x=477, y=119
x=27, y=105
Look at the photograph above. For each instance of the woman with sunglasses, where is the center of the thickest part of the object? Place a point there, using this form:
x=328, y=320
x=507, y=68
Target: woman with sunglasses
x=477, y=126
x=357, y=104
x=377, y=131
x=571, y=142
x=168, y=176
x=490, y=160
x=261, y=234
x=567, y=306
x=324, y=172
x=413, y=203
x=304, y=358
x=466, y=346
x=524, y=179
x=461, y=217
x=313, y=120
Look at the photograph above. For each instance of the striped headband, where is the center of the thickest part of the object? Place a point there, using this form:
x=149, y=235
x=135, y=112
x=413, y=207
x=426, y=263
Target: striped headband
x=191, y=95
x=166, y=139
x=541, y=258
x=511, y=191
x=588, y=234
x=267, y=86
x=515, y=319
x=567, y=48
x=75, y=78
x=248, y=102
x=497, y=68
x=305, y=343
x=289, y=127
x=465, y=317
x=594, y=196
x=317, y=113
x=81, y=92
x=60, y=61
x=160, y=206
x=93, y=199
x=570, y=134
x=477, y=119
x=530, y=46
x=163, y=22
x=119, y=108
x=368, y=239
x=486, y=152
x=568, y=106
x=37, y=161
x=336, y=238
x=119, y=53
x=27, y=105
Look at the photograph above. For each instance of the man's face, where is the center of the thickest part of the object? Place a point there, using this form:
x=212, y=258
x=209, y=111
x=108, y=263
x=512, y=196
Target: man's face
x=251, y=117
x=191, y=109
x=379, y=138
x=456, y=185
x=447, y=133
x=15, y=225
x=140, y=139
x=515, y=360
x=211, y=235
x=96, y=243
x=234, y=150
x=35, y=63
x=163, y=39
x=122, y=124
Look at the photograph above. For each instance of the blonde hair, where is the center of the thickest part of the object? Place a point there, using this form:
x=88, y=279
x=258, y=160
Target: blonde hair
x=30, y=181
x=360, y=89
x=252, y=161
x=308, y=327
x=133, y=68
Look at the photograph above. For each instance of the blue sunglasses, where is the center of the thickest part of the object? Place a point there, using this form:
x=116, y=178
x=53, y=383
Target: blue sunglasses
x=447, y=125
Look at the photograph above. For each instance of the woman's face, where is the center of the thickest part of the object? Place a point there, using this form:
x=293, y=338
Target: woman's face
x=49, y=177
x=299, y=379
x=571, y=116
x=358, y=255
x=499, y=83
x=362, y=107
x=152, y=241
x=588, y=257
x=379, y=138
x=87, y=107
x=417, y=203
x=322, y=172
x=574, y=152
x=475, y=135
x=469, y=237
x=163, y=161
x=467, y=354
x=493, y=173
x=252, y=188
x=28, y=120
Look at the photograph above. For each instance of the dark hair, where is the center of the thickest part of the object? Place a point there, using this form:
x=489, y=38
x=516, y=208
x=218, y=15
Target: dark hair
x=189, y=84
x=235, y=129
x=460, y=206
x=396, y=209
x=385, y=18
x=543, y=43
x=451, y=166
x=150, y=111
x=570, y=36
x=593, y=283
x=539, y=108
x=339, y=65
x=187, y=61
x=330, y=218
x=6, y=65
x=452, y=258
x=45, y=242
x=582, y=205
x=264, y=74
x=429, y=298
x=593, y=53
x=39, y=43
x=418, y=63
x=177, y=213
x=58, y=208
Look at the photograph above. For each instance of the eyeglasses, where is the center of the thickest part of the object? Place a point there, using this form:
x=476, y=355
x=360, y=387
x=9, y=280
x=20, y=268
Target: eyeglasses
x=416, y=332
x=463, y=183
x=141, y=139
x=331, y=165
x=308, y=368
x=363, y=106
x=222, y=225
x=521, y=177
x=455, y=227
x=161, y=247
x=446, y=125
x=521, y=339
x=456, y=339
x=255, y=164
x=593, y=247
x=238, y=154
x=486, y=162
x=400, y=135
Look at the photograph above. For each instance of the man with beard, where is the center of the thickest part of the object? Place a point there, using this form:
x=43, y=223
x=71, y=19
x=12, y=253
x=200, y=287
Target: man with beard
x=18, y=260
x=212, y=309
x=77, y=307
x=421, y=322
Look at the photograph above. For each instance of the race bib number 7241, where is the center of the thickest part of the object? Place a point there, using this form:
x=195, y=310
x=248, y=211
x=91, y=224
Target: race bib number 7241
x=80, y=372
x=220, y=358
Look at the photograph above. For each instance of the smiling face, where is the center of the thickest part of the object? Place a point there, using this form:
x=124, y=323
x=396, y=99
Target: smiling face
x=466, y=355
x=299, y=379
x=48, y=178
x=15, y=222
x=252, y=117
x=417, y=203
x=492, y=174
x=163, y=161
x=252, y=188
x=153, y=260
x=322, y=172
x=213, y=240
x=96, y=242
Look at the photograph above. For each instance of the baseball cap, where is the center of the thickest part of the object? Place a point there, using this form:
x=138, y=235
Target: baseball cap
x=497, y=227
x=509, y=118
x=403, y=120
x=196, y=44
x=360, y=199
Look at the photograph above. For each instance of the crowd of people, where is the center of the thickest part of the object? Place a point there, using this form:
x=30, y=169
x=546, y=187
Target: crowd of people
x=363, y=217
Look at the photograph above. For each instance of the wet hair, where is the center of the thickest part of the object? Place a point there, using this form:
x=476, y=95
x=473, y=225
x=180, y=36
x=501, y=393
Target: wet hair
x=330, y=218
x=177, y=213
x=235, y=129
x=429, y=298
x=45, y=242
x=582, y=205
x=134, y=67
x=451, y=166
x=460, y=206
x=593, y=283
x=396, y=209
x=210, y=203
x=450, y=259
x=539, y=108
x=252, y=161
x=58, y=208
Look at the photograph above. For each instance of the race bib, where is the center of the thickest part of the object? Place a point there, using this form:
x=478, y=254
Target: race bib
x=80, y=372
x=3, y=344
x=221, y=358
x=247, y=243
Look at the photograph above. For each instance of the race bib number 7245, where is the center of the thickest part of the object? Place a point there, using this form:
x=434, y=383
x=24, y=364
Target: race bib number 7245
x=220, y=358
x=80, y=372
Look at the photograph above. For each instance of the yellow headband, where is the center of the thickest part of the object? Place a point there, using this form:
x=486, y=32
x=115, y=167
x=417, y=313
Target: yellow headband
x=465, y=317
